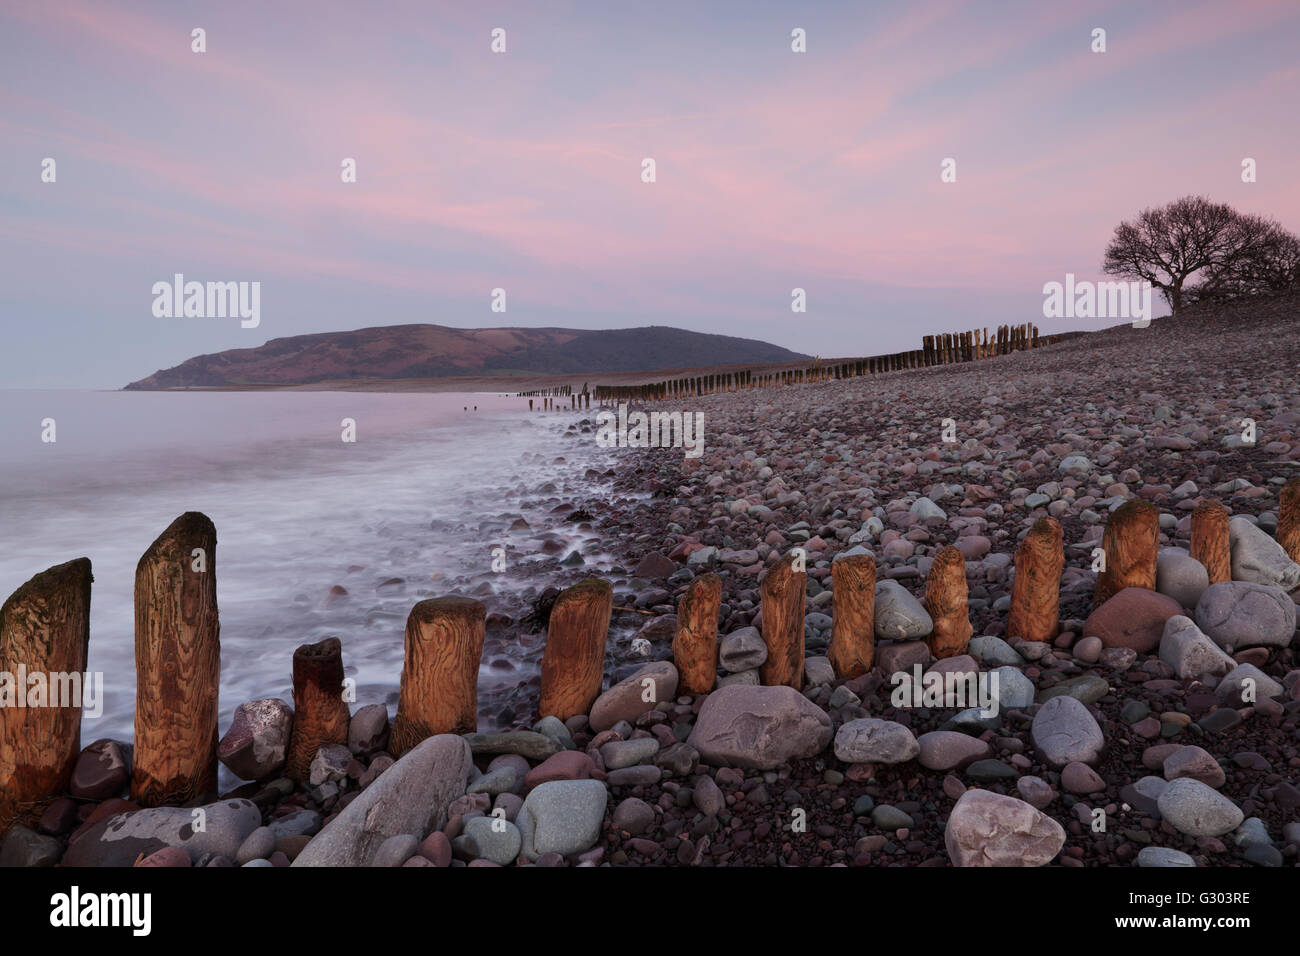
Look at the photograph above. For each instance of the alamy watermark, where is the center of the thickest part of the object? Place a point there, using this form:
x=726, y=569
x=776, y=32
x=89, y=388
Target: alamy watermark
x=208, y=300
x=946, y=690
x=654, y=430
x=23, y=688
x=1085, y=299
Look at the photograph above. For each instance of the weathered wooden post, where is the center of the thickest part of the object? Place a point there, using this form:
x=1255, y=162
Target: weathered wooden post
x=1288, y=520
x=44, y=634
x=177, y=665
x=695, y=645
x=439, y=692
x=853, y=631
x=573, y=664
x=1130, y=543
x=1036, y=589
x=946, y=596
x=1209, y=543
x=783, y=591
x=320, y=714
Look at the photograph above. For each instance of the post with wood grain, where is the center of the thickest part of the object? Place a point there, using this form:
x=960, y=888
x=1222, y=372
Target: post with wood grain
x=321, y=715
x=1288, y=521
x=1209, y=543
x=1036, y=589
x=44, y=630
x=439, y=690
x=695, y=645
x=783, y=592
x=177, y=664
x=946, y=601
x=1130, y=543
x=573, y=664
x=853, y=630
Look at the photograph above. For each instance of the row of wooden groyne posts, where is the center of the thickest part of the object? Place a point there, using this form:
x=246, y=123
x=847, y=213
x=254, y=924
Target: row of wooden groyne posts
x=942, y=349
x=45, y=629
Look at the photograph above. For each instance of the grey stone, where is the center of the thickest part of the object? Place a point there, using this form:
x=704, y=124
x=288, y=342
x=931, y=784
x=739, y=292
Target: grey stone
x=994, y=652
x=410, y=797
x=899, y=615
x=618, y=754
x=368, y=730
x=117, y=840
x=871, y=740
x=254, y=747
x=497, y=840
x=742, y=650
x=1193, y=808
x=1259, y=559
x=396, y=850
x=258, y=845
x=1159, y=856
x=1064, y=731
x=1181, y=577
x=1192, y=655
x=1236, y=681
x=758, y=727
x=1015, y=690
x=1236, y=614
x=562, y=816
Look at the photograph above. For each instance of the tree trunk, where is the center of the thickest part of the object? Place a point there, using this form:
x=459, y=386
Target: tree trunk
x=177, y=664
x=439, y=692
x=45, y=632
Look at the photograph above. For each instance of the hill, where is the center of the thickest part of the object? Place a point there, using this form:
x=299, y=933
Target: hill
x=435, y=351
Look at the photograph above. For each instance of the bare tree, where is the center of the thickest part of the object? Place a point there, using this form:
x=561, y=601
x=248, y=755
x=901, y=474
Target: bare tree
x=1166, y=246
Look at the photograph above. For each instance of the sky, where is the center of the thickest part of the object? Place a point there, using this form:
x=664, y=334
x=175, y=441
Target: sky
x=522, y=170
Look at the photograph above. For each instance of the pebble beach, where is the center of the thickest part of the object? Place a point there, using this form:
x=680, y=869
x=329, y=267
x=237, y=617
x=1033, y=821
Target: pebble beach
x=1158, y=727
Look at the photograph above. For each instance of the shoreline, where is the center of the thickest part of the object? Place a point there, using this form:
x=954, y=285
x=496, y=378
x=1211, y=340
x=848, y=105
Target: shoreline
x=1070, y=434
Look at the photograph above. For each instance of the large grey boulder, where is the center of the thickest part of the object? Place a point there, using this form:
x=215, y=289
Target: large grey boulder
x=758, y=727
x=411, y=797
x=218, y=828
x=561, y=816
x=1236, y=614
x=1259, y=559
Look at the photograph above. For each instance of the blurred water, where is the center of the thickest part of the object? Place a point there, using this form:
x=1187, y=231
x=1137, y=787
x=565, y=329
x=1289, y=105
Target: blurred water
x=423, y=496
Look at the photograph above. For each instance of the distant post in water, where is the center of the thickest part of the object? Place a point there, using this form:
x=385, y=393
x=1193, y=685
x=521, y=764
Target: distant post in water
x=320, y=714
x=695, y=645
x=439, y=695
x=853, y=633
x=177, y=665
x=783, y=591
x=1288, y=521
x=573, y=664
x=1036, y=590
x=1130, y=542
x=946, y=595
x=1210, y=543
x=45, y=632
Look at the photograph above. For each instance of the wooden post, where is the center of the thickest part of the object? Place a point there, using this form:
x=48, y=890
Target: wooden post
x=439, y=693
x=1130, y=543
x=946, y=602
x=320, y=714
x=695, y=645
x=45, y=633
x=177, y=665
x=853, y=633
x=1036, y=590
x=573, y=664
x=783, y=592
x=1210, y=540
x=1288, y=520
